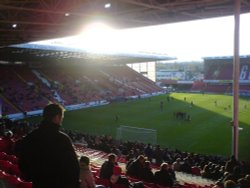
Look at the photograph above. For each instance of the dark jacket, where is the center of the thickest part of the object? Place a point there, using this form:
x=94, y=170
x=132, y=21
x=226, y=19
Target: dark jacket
x=106, y=170
x=135, y=169
x=163, y=178
x=47, y=158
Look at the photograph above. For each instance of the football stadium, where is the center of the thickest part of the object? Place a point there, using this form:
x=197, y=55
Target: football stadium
x=76, y=116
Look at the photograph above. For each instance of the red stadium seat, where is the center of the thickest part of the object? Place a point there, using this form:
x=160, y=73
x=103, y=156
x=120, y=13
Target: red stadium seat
x=104, y=182
x=14, y=170
x=3, y=155
x=12, y=158
x=24, y=184
x=2, y=179
x=5, y=165
x=12, y=181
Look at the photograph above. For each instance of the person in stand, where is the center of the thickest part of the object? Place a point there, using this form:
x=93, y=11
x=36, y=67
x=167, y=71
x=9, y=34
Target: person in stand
x=163, y=177
x=118, y=179
x=86, y=176
x=106, y=170
x=147, y=174
x=232, y=163
x=46, y=155
x=135, y=168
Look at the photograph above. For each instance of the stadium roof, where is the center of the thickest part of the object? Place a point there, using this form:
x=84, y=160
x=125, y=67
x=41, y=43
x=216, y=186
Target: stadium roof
x=36, y=52
x=226, y=57
x=35, y=20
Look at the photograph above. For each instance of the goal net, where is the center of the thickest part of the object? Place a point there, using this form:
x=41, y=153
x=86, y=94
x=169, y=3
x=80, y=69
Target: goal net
x=128, y=133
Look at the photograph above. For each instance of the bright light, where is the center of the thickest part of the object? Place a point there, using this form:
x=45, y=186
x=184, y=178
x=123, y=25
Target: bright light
x=107, y=5
x=14, y=25
x=96, y=29
x=98, y=37
x=186, y=40
x=66, y=14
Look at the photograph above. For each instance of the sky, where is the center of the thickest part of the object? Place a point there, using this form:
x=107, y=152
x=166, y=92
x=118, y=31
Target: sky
x=189, y=40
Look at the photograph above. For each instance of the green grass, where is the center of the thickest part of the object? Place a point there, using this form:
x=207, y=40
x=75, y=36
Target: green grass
x=208, y=132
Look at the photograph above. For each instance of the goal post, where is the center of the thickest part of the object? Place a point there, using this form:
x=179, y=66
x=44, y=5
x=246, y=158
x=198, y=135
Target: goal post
x=129, y=133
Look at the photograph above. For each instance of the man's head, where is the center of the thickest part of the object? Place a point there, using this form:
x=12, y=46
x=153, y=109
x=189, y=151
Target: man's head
x=164, y=166
x=84, y=160
x=141, y=159
x=53, y=113
x=112, y=158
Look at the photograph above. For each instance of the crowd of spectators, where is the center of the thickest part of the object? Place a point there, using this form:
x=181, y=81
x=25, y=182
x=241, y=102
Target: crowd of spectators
x=141, y=157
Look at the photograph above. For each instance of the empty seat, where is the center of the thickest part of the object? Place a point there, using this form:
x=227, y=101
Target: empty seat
x=24, y=184
x=14, y=170
x=12, y=158
x=5, y=165
x=3, y=155
x=11, y=180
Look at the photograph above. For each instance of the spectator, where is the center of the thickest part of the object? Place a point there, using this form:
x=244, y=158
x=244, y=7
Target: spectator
x=230, y=184
x=86, y=176
x=235, y=175
x=46, y=155
x=7, y=144
x=247, y=177
x=230, y=164
x=177, y=164
x=186, y=167
x=117, y=178
x=106, y=170
x=135, y=168
x=163, y=177
x=147, y=174
x=243, y=183
x=216, y=174
x=148, y=152
x=218, y=184
x=205, y=173
x=158, y=155
x=171, y=172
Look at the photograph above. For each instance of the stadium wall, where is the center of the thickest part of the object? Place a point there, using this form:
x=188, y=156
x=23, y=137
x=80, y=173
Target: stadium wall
x=68, y=108
x=220, y=69
x=219, y=74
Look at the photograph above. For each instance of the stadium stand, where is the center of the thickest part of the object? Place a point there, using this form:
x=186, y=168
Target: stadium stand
x=97, y=151
x=20, y=93
x=198, y=86
x=25, y=89
x=218, y=75
x=217, y=88
x=7, y=106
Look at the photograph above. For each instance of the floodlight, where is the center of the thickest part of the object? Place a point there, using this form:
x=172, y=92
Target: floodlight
x=107, y=5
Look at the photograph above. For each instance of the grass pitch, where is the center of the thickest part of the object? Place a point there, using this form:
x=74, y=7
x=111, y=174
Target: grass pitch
x=208, y=132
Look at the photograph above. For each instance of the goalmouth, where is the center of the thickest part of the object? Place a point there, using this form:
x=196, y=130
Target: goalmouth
x=128, y=133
